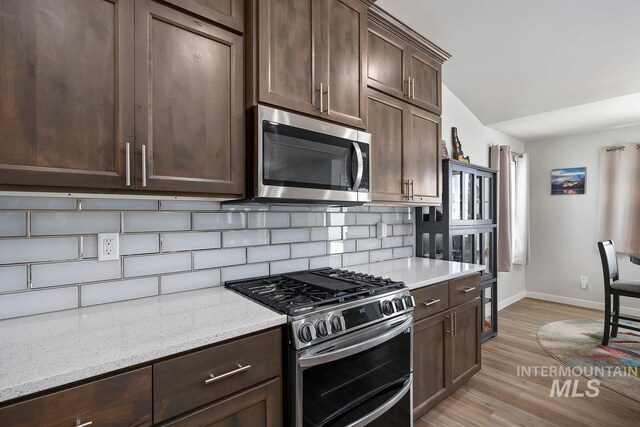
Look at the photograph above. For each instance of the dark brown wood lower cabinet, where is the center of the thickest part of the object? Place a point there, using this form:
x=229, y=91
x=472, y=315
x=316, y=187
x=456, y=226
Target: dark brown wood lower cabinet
x=260, y=406
x=446, y=353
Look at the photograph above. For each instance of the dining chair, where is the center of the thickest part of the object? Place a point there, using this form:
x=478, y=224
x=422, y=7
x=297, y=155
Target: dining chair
x=616, y=288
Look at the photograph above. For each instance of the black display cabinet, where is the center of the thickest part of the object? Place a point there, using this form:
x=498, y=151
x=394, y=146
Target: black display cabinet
x=464, y=229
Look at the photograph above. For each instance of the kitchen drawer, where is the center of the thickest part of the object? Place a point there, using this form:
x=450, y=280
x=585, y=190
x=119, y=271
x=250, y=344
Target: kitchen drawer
x=430, y=300
x=464, y=289
x=179, y=383
x=120, y=400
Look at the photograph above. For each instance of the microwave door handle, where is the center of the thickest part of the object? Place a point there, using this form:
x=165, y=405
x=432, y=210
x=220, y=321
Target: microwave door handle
x=314, y=360
x=380, y=410
x=358, y=180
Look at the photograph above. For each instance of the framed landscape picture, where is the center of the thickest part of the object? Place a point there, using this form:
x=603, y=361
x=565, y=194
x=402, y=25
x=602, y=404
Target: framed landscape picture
x=568, y=181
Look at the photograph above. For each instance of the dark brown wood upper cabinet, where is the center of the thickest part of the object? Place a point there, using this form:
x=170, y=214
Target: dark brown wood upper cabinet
x=386, y=62
x=189, y=112
x=426, y=81
x=422, y=164
x=229, y=13
x=311, y=57
x=66, y=91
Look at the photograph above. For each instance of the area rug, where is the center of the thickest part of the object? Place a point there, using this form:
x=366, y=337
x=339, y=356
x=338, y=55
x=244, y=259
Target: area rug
x=577, y=344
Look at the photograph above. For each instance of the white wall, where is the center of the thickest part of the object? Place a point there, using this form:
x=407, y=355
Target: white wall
x=564, y=228
x=476, y=139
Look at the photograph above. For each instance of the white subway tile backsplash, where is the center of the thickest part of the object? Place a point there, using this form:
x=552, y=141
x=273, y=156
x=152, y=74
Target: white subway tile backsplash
x=32, y=203
x=403, y=252
x=89, y=246
x=355, y=258
x=67, y=273
x=14, y=251
x=341, y=219
x=189, y=281
x=355, y=209
x=392, y=242
x=394, y=218
x=36, y=302
x=219, y=221
x=333, y=261
x=233, y=239
x=13, y=224
x=299, y=250
x=137, y=244
x=53, y=223
x=219, y=258
x=268, y=219
x=101, y=293
x=381, y=209
x=156, y=264
x=367, y=218
x=245, y=271
x=13, y=278
x=408, y=240
x=174, y=242
x=341, y=246
x=355, y=232
x=156, y=221
x=268, y=253
x=119, y=204
x=313, y=219
x=380, y=255
x=279, y=267
x=290, y=236
x=326, y=233
x=189, y=205
x=368, y=244
x=402, y=229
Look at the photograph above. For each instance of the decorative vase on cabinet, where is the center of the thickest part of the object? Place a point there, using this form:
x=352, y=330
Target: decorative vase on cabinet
x=464, y=229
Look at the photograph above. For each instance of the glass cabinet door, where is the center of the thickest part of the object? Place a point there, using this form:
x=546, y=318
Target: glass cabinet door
x=487, y=198
x=487, y=310
x=463, y=248
x=467, y=196
x=488, y=248
x=456, y=195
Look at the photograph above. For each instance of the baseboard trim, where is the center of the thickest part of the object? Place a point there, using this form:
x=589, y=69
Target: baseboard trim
x=511, y=300
x=579, y=302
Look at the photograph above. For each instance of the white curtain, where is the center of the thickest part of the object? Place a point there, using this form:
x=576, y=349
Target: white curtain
x=520, y=223
x=619, y=213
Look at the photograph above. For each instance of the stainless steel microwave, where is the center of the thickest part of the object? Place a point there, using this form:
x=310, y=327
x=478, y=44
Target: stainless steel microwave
x=297, y=159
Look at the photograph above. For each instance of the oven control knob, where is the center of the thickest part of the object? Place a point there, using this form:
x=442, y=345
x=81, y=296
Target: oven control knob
x=387, y=307
x=408, y=301
x=336, y=323
x=305, y=334
x=398, y=303
x=322, y=328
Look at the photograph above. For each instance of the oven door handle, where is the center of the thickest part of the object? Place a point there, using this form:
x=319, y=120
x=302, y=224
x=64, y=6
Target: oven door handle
x=358, y=180
x=380, y=410
x=313, y=360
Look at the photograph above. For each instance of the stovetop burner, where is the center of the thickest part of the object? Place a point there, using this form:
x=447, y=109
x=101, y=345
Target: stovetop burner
x=305, y=291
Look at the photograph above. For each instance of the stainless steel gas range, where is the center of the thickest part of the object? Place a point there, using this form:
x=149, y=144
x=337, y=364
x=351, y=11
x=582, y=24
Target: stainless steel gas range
x=349, y=346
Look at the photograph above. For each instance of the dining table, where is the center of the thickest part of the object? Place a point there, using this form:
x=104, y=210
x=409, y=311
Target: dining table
x=635, y=258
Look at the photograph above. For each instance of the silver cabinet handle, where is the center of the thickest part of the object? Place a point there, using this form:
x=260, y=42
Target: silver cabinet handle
x=328, y=100
x=409, y=86
x=405, y=189
x=467, y=290
x=455, y=324
x=87, y=424
x=321, y=98
x=411, y=185
x=356, y=147
x=430, y=302
x=144, y=165
x=450, y=316
x=127, y=156
x=214, y=378
x=413, y=89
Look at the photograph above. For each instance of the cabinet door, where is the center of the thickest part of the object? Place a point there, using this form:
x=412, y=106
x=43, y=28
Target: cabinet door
x=421, y=155
x=386, y=62
x=465, y=343
x=386, y=125
x=260, y=406
x=189, y=118
x=431, y=352
x=426, y=81
x=289, y=49
x=344, y=36
x=66, y=85
x=226, y=12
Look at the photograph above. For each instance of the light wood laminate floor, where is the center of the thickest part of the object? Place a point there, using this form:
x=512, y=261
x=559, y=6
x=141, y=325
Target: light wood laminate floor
x=496, y=396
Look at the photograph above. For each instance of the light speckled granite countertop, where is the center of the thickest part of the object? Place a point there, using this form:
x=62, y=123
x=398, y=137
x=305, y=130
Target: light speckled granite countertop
x=48, y=350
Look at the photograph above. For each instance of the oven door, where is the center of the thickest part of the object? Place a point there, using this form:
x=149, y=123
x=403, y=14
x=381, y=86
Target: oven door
x=306, y=159
x=362, y=379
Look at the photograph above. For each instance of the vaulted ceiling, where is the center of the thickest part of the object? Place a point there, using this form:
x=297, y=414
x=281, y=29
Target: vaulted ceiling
x=515, y=62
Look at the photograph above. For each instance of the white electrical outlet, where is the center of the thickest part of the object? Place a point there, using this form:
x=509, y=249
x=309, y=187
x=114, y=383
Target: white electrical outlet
x=381, y=230
x=108, y=246
x=584, y=282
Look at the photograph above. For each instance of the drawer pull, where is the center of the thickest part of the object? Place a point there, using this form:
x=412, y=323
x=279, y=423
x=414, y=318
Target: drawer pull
x=214, y=378
x=430, y=302
x=87, y=424
x=467, y=290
